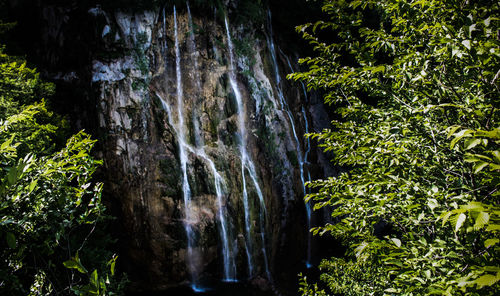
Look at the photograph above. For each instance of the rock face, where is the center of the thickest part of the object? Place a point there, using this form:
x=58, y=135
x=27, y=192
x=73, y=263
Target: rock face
x=201, y=136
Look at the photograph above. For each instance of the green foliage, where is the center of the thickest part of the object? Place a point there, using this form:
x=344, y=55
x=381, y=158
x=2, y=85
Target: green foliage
x=19, y=85
x=140, y=55
x=244, y=48
x=49, y=206
x=415, y=88
x=97, y=285
x=307, y=289
x=250, y=11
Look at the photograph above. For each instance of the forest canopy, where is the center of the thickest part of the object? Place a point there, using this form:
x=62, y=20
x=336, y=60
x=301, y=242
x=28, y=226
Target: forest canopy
x=415, y=89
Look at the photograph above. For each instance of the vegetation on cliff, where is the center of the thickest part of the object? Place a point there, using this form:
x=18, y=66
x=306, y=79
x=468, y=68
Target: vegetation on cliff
x=415, y=89
x=50, y=208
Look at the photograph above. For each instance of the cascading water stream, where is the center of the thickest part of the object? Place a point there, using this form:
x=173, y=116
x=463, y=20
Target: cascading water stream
x=305, y=161
x=181, y=136
x=198, y=139
x=247, y=165
x=227, y=253
x=284, y=104
x=304, y=116
x=304, y=90
x=164, y=32
x=308, y=204
x=301, y=158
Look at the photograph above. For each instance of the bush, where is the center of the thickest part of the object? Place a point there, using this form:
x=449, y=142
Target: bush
x=50, y=208
x=415, y=88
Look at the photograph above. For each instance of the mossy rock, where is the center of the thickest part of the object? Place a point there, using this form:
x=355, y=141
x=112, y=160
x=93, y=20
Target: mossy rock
x=170, y=176
x=292, y=156
x=231, y=105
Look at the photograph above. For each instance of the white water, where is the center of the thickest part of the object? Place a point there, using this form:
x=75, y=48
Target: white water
x=302, y=159
x=304, y=90
x=164, y=32
x=284, y=104
x=228, y=253
x=305, y=161
x=247, y=165
x=181, y=137
x=308, y=204
x=197, y=80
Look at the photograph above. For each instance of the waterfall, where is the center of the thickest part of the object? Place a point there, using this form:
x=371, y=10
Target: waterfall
x=304, y=90
x=283, y=101
x=186, y=191
x=247, y=165
x=228, y=254
x=198, y=139
x=301, y=158
x=305, y=161
x=164, y=32
x=308, y=204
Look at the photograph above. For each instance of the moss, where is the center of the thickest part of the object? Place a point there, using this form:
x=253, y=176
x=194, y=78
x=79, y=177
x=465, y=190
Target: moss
x=170, y=176
x=158, y=118
x=292, y=156
x=244, y=48
x=230, y=106
x=248, y=74
x=126, y=72
x=197, y=30
x=139, y=84
x=214, y=123
x=250, y=11
x=219, y=42
x=268, y=140
x=139, y=53
x=131, y=111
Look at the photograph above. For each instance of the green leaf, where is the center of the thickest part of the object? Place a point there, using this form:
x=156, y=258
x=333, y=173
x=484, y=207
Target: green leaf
x=74, y=263
x=491, y=242
x=459, y=136
x=112, y=263
x=486, y=280
x=32, y=185
x=359, y=249
x=94, y=279
x=445, y=216
x=7, y=143
x=460, y=221
x=471, y=143
x=12, y=176
x=493, y=227
x=496, y=154
x=481, y=220
x=479, y=166
x=11, y=240
x=380, y=68
x=70, y=264
x=451, y=130
x=432, y=203
x=466, y=43
x=397, y=242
